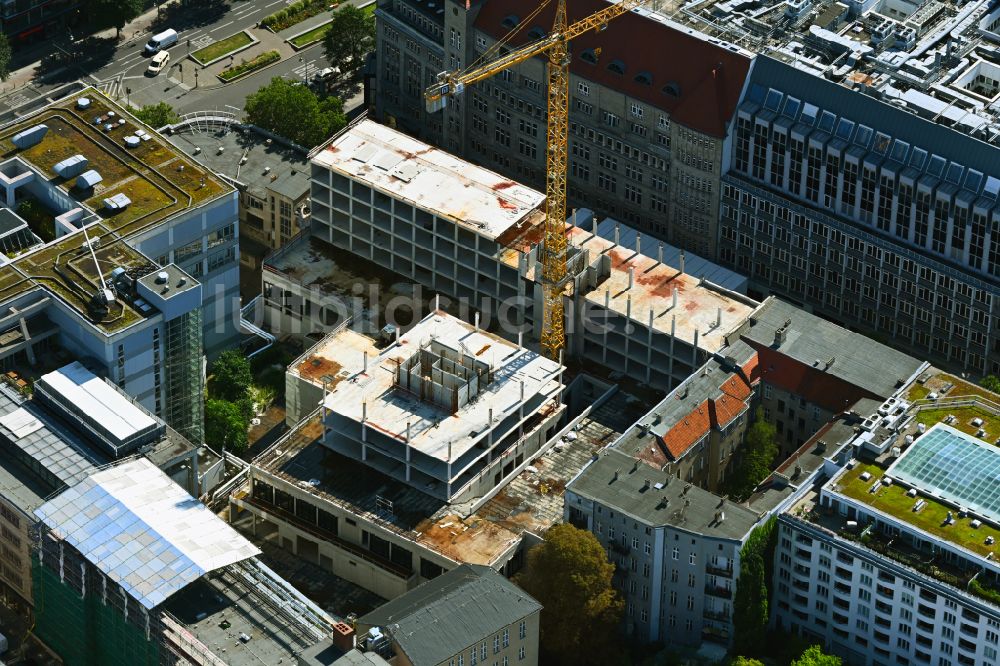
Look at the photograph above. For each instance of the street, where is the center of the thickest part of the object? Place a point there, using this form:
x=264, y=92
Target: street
x=119, y=68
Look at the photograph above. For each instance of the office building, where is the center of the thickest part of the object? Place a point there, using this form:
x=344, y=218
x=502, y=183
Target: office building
x=74, y=424
x=131, y=261
x=866, y=214
x=470, y=614
x=27, y=21
x=130, y=569
x=647, y=126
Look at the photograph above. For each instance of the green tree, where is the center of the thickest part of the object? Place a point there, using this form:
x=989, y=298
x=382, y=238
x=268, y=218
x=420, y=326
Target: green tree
x=745, y=661
x=231, y=377
x=569, y=574
x=759, y=451
x=814, y=656
x=156, y=115
x=990, y=383
x=5, y=54
x=351, y=36
x=750, y=603
x=225, y=425
x=113, y=13
x=294, y=112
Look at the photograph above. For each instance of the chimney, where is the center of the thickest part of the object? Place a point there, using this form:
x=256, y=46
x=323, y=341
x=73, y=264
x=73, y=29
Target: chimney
x=365, y=367
x=638, y=242
x=407, y=432
x=682, y=261
x=617, y=472
x=477, y=321
x=646, y=484
x=674, y=305
x=617, y=233
x=631, y=276
x=594, y=221
x=718, y=317
x=659, y=253
x=437, y=302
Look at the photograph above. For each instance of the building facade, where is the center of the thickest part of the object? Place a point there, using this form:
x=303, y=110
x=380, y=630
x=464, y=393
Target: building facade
x=646, y=130
x=866, y=214
x=675, y=547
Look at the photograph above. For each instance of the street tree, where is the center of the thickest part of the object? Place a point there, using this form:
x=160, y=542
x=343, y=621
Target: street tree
x=157, y=115
x=759, y=452
x=294, y=112
x=5, y=54
x=231, y=376
x=745, y=661
x=814, y=656
x=569, y=574
x=351, y=36
x=113, y=13
x=225, y=425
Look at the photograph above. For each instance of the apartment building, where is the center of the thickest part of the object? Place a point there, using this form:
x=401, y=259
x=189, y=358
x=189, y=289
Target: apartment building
x=695, y=432
x=892, y=562
x=647, y=126
x=865, y=214
x=675, y=546
x=499, y=622
x=27, y=21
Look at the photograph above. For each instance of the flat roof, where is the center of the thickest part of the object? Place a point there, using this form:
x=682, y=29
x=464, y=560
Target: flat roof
x=21, y=486
x=143, y=531
x=434, y=431
x=217, y=609
x=617, y=480
x=858, y=359
x=699, y=303
x=98, y=400
x=429, y=178
x=533, y=501
x=160, y=181
x=269, y=165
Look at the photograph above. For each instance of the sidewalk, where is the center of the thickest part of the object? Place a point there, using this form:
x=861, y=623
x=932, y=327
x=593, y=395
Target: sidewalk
x=129, y=34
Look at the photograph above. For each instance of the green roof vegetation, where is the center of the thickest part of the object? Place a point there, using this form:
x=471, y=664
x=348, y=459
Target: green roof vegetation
x=222, y=48
x=159, y=180
x=247, y=66
x=963, y=419
x=931, y=518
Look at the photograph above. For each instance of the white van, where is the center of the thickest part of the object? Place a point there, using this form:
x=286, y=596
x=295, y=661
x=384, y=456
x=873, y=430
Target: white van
x=158, y=42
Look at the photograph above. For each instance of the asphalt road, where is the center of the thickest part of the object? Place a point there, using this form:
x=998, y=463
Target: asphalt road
x=120, y=66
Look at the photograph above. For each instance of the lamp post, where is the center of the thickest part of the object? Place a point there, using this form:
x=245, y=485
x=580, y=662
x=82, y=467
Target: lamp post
x=196, y=78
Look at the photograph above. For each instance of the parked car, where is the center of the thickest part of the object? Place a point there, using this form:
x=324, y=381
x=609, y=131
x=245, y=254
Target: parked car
x=158, y=62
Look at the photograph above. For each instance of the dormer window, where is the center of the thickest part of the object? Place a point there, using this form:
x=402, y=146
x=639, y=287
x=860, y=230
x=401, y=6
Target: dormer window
x=672, y=89
x=644, y=78
x=536, y=33
x=510, y=22
x=616, y=66
x=589, y=55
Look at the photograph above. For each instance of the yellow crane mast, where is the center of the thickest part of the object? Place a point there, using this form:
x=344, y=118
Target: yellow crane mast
x=556, y=46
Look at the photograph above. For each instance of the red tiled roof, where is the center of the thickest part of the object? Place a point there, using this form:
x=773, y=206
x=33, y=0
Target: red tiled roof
x=687, y=431
x=710, y=77
x=716, y=412
x=813, y=384
x=752, y=369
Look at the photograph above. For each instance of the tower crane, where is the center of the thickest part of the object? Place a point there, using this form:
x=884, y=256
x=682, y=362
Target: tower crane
x=556, y=46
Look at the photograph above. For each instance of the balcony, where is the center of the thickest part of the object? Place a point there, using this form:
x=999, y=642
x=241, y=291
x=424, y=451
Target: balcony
x=720, y=570
x=716, y=616
x=720, y=592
